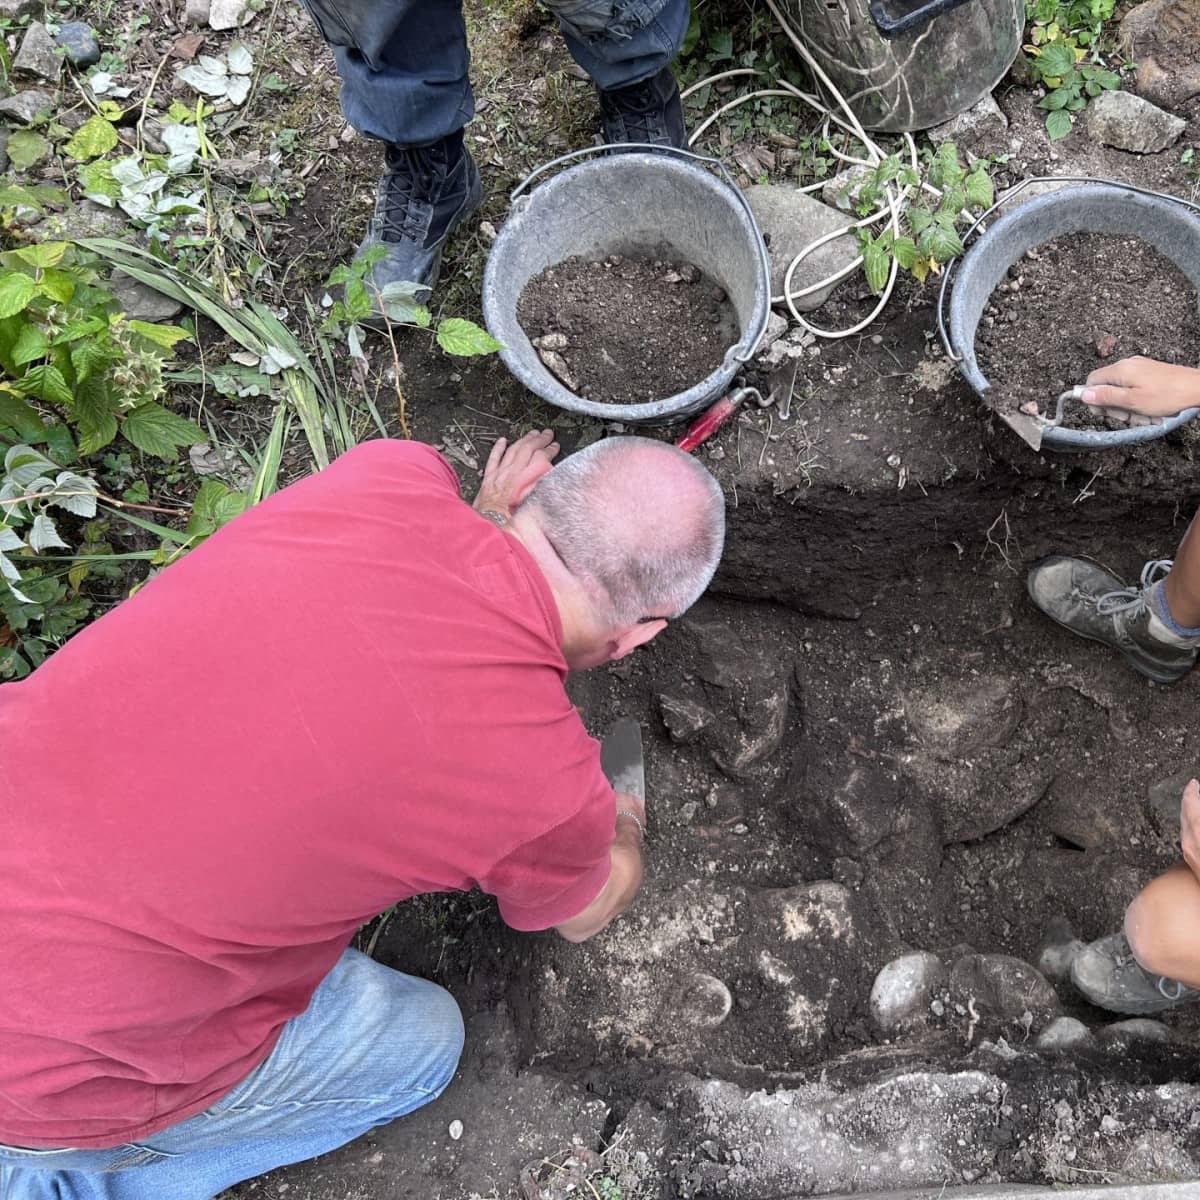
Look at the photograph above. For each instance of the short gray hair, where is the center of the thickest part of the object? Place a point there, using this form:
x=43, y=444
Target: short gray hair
x=639, y=523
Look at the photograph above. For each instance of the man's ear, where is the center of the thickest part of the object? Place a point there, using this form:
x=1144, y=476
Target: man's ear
x=633, y=637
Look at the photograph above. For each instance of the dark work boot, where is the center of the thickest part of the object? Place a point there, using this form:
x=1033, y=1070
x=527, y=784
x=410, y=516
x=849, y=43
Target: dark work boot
x=1110, y=977
x=650, y=111
x=425, y=192
x=1090, y=601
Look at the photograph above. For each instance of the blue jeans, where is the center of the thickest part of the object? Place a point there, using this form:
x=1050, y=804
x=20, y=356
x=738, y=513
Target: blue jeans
x=371, y=1046
x=404, y=63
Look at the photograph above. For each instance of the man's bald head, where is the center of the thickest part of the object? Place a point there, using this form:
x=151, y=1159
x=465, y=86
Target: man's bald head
x=639, y=524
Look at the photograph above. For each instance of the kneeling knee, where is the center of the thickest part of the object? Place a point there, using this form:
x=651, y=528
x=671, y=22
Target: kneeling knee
x=1152, y=930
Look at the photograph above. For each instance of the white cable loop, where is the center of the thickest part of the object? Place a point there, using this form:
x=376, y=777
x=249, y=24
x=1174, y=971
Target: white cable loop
x=894, y=196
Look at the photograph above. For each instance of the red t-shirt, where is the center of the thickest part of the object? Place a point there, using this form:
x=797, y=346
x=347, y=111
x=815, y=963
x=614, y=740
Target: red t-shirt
x=350, y=695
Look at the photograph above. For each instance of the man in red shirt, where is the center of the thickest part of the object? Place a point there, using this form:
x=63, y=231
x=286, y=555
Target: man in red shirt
x=350, y=695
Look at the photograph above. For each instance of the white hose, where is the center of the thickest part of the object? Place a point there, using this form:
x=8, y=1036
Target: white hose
x=895, y=196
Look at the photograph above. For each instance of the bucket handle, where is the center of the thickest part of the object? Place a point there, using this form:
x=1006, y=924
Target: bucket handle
x=943, y=291
x=764, y=262
x=890, y=26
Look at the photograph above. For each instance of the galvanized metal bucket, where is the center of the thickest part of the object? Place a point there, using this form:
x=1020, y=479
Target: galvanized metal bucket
x=647, y=200
x=1167, y=223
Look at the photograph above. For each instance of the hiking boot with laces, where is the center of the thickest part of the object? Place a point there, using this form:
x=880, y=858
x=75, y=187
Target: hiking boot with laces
x=650, y=111
x=425, y=192
x=1092, y=602
x=1110, y=977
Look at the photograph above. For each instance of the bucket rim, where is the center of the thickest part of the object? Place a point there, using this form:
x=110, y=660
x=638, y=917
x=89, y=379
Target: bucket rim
x=681, y=404
x=961, y=348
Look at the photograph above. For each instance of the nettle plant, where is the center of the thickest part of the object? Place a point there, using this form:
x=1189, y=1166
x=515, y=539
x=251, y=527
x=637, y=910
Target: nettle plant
x=929, y=233
x=1064, y=57
x=455, y=335
x=75, y=376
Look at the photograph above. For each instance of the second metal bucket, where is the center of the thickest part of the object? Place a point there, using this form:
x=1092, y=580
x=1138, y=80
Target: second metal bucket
x=661, y=204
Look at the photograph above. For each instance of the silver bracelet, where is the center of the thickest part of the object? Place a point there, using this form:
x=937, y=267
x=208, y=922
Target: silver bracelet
x=498, y=519
x=624, y=812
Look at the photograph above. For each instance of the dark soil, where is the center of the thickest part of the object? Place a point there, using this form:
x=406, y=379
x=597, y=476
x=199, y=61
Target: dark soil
x=1176, y=42
x=1075, y=303
x=627, y=330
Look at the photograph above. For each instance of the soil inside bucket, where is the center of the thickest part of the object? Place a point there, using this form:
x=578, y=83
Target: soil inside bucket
x=1073, y=304
x=627, y=330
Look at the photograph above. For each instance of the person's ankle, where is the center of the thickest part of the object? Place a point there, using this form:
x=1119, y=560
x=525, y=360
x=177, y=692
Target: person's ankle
x=1160, y=611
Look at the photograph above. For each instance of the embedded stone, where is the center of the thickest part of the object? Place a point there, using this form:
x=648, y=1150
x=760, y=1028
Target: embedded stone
x=904, y=990
x=685, y=719
x=25, y=106
x=981, y=129
x=1064, y=1035
x=1058, y=950
x=78, y=40
x=1164, y=799
x=1136, y=1029
x=226, y=14
x=1163, y=38
x=39, y=55
x=11, y=10
x=790, y=221
x=1127, y=122
x=1003, y=990
x=142, y=303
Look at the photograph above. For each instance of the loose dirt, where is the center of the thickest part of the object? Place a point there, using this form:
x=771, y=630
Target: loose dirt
x=1073, y=304
x=627, y=330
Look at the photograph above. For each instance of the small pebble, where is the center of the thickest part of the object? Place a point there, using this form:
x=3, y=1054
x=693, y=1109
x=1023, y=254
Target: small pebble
x=456, y=1130
x=551, y=341
x=1105, y=345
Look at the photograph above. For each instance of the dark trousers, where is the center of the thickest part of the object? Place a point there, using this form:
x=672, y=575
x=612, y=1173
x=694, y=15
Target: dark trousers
x=404, y=63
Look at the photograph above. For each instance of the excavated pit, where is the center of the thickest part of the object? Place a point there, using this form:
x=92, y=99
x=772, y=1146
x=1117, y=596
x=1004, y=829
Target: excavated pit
x=864, y=743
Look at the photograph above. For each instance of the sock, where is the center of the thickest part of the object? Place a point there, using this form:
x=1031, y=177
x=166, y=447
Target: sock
x=1158, y=606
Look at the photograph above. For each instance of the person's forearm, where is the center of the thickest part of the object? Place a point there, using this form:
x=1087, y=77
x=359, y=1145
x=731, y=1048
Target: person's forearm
x=624, y=883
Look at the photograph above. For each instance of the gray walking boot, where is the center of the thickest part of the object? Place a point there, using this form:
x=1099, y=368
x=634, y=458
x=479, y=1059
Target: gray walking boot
x=1110, y=977
x=1092, y=602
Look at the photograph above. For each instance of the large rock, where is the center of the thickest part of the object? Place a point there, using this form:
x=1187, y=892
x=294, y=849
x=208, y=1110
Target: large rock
x=39, y=55
x=25, y=106
x=11, y=10
x=790, y=221
x=1003, y=991
x=904, y=989
x=981, y=129
x=1128, y=122
x=86, y=219
x=1163, y=38
x=78, y=40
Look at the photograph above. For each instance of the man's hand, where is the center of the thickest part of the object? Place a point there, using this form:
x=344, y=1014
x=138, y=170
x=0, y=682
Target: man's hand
x=1189, y=826
x=512, y=470
x=1143, y=391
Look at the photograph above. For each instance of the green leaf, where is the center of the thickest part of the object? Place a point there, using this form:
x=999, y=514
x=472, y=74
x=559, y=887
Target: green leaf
x=16, y=291
x=58, y=285
x=919, y=219
x=60, y=444
x=944, y=243
x=158, y=431
x=215, y=505
x=48, y=383
x=44, y=254
x=110, y=110
x=1058, y=124
x=980, y=193
x=1055, y=100
x=876, y=265
x=399, y=301
x=905, y=250
x=26, y=147
x=96, y=136
x=1055, y=59
x=720, y=45
x=461, y=337
x=97, y=179
x=161, y=335
x=19, y=416
x=31, y=344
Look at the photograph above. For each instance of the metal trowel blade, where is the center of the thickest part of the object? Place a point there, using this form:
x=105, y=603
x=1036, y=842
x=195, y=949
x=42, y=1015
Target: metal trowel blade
x=1029, y=430
x=621, y=758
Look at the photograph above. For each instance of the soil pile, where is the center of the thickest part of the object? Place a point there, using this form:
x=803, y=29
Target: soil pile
x=1073, y=304
x=627, y=330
